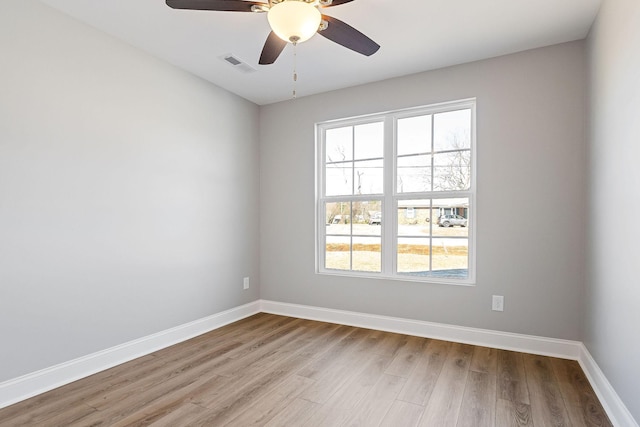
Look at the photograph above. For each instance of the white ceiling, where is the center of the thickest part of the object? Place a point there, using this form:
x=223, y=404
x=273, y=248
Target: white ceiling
x=415, y=35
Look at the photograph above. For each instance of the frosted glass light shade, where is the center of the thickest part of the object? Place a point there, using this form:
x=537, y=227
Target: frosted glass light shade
x=294, y=21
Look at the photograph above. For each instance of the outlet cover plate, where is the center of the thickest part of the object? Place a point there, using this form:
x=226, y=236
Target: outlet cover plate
x=497, y=303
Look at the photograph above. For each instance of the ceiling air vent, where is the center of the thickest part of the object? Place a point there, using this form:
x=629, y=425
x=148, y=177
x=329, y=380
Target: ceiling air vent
x=237, y=63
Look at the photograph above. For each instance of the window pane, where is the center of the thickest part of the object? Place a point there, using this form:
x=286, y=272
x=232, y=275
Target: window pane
x=414, y=174
x=339, y=144
x=414, y=218
x=414, y=135
x=339, y=179
x=367, y=254
x=338, y=253
x=369, y=143
x=451, y=216
x=372, y=213
x=367, y=218
x=452, y=130
x=413, y=255
x=338, y=216
x=452, y=171
x=369, y=178
x=450, y=258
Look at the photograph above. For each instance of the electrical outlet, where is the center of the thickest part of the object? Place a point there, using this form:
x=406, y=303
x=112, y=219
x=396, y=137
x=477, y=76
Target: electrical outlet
x=245, y=283
x=498, y=303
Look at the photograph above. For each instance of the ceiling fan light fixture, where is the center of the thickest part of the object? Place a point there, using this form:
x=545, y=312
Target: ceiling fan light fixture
x=294, y=21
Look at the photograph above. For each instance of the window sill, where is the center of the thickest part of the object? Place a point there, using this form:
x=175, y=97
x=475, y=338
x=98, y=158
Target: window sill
x=399, y=278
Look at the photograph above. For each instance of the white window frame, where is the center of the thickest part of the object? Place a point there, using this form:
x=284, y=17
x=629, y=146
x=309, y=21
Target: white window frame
x=390, y=197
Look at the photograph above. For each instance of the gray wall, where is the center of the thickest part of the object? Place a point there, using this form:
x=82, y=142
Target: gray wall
x=613, y=293
x=530, y=205
x=128, y=192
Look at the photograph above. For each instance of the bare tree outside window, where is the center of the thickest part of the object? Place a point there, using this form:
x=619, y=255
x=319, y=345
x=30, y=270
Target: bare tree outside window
x=452, y=169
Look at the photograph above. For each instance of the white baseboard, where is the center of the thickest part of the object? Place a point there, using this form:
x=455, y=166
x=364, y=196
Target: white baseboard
x=574, y=350
x=613, y=405
x=507, y=341
x=32, y=384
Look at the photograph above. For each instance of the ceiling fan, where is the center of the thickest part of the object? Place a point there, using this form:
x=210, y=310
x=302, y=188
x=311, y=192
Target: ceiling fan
x=291, y=21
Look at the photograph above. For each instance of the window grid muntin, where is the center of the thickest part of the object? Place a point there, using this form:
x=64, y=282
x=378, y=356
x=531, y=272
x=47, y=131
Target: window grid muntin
x=432, y=235
x=351, y=235
x=352, y=124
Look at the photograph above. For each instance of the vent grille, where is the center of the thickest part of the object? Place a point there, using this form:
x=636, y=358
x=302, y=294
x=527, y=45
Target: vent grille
x=237, y=63
x=232, y=60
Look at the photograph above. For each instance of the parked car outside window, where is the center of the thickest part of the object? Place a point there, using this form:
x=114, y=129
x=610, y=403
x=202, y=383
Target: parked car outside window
x=376, y=218
x=450, y=220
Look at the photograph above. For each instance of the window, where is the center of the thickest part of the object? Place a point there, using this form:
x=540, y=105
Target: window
x=396, y=194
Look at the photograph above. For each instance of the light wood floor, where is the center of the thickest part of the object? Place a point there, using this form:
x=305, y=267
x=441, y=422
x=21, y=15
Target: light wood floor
x=271, y=370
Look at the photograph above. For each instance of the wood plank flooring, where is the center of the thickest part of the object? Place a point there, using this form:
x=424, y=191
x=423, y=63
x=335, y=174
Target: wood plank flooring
x=270, y=370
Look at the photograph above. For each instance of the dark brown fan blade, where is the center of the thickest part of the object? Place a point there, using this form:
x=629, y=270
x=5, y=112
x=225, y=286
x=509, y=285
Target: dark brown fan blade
x=221, y=5
x=338, y=2
x=347, y=36
x=272, y=49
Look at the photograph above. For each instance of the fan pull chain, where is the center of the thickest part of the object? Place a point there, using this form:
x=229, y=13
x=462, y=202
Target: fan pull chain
x=295, y=68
